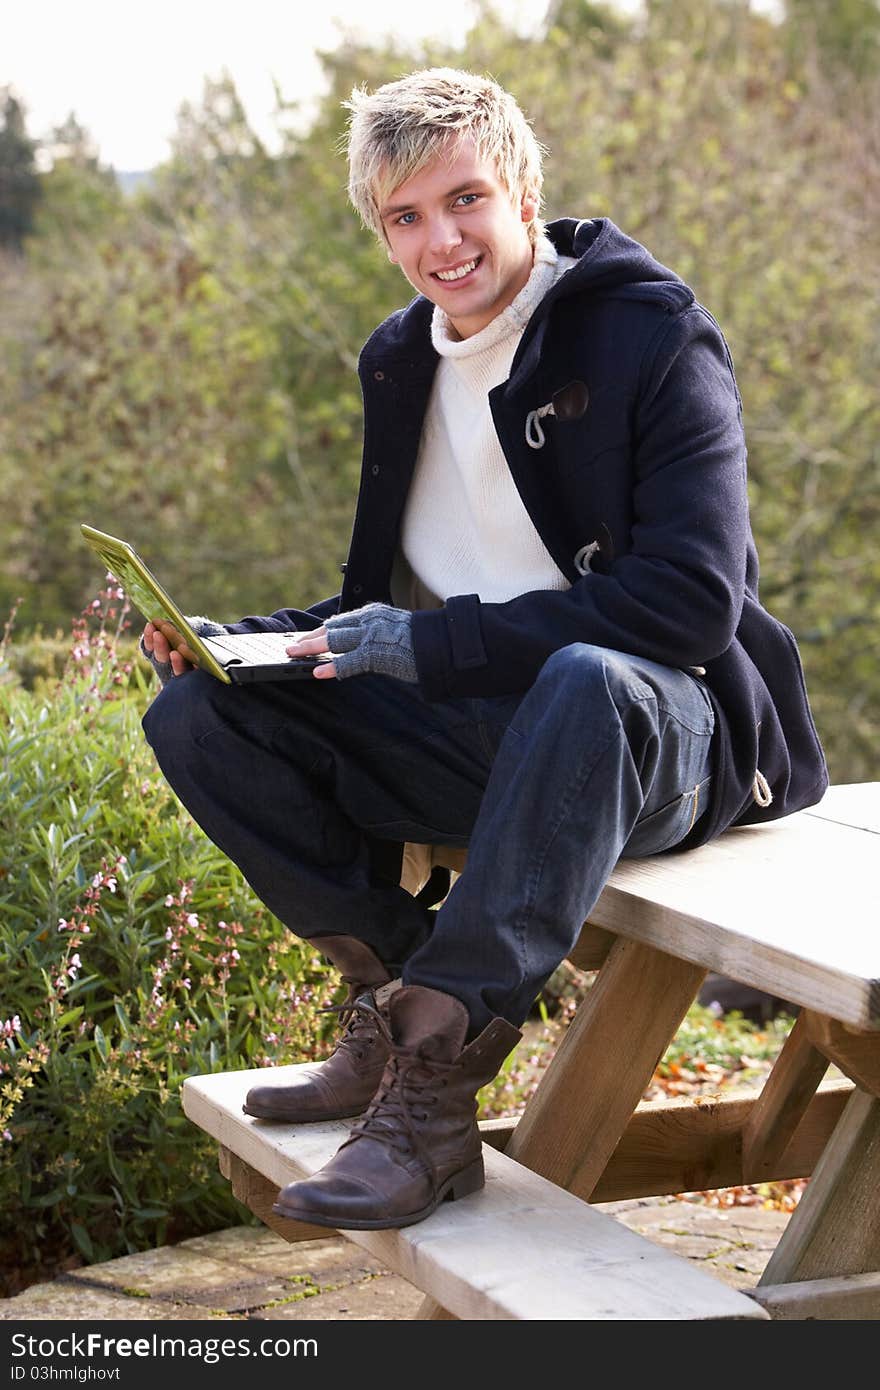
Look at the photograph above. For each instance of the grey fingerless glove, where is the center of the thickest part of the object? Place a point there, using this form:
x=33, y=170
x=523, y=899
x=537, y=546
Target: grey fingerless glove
x=376, y=638
x=205, y=627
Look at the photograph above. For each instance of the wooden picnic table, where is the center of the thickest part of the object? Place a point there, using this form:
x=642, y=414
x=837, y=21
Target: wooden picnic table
x=789, y=908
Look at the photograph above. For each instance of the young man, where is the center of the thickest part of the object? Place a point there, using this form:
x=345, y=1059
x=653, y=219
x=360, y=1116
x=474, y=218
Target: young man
x=548, y=646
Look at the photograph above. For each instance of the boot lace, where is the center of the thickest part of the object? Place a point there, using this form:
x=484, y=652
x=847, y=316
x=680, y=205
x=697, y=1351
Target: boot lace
x=358, y=1021
x=406, y=1094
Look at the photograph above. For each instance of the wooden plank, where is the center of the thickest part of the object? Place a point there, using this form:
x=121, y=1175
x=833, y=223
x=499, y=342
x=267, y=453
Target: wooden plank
x=688, y=1145
x=857, y=1054
x=591, y=949
x=429, y=1310
x=258, y=1195
x=496, y=1133
x=856, y=804
x=694, y=1146
x=835, y=1228
x=572, y=1124
x=852, y=1297
x=782, y=1104
x=521, y=1248
x=761, y=904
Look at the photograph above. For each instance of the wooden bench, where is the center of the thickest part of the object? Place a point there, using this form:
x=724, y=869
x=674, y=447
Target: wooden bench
x=521, y=1248
x=789, y=908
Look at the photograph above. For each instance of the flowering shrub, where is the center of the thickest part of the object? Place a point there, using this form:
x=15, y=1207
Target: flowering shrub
x=132, y=954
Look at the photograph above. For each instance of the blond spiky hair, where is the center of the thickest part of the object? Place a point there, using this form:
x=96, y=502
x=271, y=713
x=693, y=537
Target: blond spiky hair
x=398, y=129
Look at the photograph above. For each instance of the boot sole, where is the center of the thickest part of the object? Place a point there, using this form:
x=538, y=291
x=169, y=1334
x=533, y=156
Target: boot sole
x=462, y=1184
x=299, y=1118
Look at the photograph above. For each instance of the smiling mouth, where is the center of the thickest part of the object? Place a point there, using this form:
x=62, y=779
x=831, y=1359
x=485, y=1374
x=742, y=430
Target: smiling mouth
x=459, y=272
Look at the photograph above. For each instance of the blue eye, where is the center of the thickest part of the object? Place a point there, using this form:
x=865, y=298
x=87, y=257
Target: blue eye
x=402, y=220
x=468, y=198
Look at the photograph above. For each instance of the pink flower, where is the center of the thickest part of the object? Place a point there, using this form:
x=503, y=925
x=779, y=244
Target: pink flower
x=169, y=900
x=192, y=919
x=63, y=924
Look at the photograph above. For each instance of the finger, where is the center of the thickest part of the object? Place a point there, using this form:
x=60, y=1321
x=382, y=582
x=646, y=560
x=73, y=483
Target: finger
x=188, y=654
x=325, y=672
x=310, y=645
x=149, y=634
x=161, y=648
x=170, y=633
x=179, y=664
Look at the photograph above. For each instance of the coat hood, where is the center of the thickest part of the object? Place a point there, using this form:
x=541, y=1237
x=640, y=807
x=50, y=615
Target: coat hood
x=611, y=264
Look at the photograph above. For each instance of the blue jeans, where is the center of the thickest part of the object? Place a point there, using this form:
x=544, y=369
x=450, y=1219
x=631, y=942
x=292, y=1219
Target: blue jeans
x=606, y=755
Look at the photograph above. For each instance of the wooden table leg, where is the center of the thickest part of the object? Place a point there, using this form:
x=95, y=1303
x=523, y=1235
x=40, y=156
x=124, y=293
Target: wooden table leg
x=607, y=1057
x=835, y=1228
x=782, y=1104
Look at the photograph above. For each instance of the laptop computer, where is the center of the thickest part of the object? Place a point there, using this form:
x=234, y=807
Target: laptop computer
x=235, y=657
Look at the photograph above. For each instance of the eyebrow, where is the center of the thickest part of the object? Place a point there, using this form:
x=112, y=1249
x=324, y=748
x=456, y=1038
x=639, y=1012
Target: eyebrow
x=469, y=186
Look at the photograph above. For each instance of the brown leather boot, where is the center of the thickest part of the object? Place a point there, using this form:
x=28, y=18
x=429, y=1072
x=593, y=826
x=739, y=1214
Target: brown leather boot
x=419, y=1142
x=346, y=1082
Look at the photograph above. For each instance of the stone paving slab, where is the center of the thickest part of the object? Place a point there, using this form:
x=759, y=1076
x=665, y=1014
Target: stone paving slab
x=250, y=1273
x=734, y=1243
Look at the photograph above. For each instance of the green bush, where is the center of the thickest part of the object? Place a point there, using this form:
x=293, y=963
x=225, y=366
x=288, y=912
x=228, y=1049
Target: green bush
x=132, y=954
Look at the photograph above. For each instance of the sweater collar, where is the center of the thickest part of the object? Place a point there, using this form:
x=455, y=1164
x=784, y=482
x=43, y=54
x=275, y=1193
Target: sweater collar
x=511, y=321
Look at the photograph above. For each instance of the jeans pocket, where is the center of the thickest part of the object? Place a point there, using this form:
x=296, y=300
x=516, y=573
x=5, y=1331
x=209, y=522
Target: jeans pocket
x=668, y=825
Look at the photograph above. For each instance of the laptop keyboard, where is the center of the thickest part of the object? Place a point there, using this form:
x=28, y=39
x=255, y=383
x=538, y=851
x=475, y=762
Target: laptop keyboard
x=258, y=647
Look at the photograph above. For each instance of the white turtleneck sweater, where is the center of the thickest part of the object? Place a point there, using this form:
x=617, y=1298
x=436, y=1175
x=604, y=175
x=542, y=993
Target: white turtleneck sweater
x=465, y=529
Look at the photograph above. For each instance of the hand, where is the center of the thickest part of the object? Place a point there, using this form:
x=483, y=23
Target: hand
x=376, y=638
x=313, y=644
x=162, y=640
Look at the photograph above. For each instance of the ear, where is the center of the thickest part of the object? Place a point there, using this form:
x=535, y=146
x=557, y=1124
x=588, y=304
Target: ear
x=391, y=256
x=529, y=206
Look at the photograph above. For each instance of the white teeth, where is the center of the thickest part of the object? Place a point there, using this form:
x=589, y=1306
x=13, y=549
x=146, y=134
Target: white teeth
x=456, y=274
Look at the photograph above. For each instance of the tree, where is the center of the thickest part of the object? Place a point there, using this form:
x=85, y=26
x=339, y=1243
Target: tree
x=842, y=35
x=19, y=181
x=79, y=197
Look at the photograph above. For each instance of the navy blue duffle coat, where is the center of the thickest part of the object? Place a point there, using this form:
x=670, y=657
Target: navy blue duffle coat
x=621, y=423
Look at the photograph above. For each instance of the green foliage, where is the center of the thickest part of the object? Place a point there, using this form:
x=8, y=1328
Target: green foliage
x=132, y=954
x=179, y=367
x=843, y=36
x=19, y=184
x=730, y=1042
x=79, y=200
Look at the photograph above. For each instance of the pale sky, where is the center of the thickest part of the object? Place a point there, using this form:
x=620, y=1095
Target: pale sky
x=125, y=67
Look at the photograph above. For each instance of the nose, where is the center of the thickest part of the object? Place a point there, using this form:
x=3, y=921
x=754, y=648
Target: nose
x=445, y=234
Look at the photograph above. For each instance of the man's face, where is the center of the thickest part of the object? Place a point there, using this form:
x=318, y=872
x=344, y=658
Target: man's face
x=459, y=239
